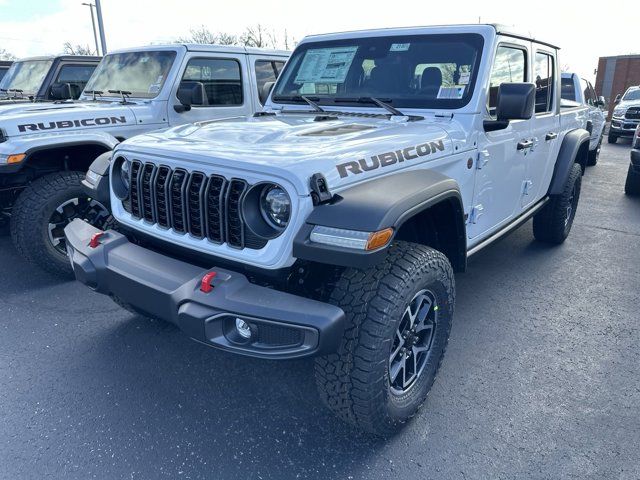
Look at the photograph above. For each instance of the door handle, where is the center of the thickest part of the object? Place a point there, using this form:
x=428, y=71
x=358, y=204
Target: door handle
x=551, y=136
x=524, y=144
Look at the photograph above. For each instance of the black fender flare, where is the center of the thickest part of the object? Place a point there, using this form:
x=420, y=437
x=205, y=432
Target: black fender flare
x=571, y=144
x=375, y=205
x=96, y=182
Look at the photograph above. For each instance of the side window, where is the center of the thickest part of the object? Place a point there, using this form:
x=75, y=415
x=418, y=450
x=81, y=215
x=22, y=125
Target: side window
x=568, y=90
x=544, y=77
x=509, y=66
x=266, y=71
x=218, y=81
x=76, y=75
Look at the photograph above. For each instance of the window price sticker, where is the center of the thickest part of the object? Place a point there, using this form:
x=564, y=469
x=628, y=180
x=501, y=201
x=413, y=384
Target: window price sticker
x=326, y=65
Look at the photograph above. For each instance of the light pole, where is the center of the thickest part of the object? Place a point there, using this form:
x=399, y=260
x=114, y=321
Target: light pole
x=93, y=24
x=103, y=42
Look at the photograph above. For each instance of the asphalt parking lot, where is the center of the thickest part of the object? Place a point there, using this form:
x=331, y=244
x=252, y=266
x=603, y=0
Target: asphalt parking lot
x=540, y=380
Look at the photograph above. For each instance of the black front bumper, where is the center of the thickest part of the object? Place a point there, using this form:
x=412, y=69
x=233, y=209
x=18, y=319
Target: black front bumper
x=283, y=325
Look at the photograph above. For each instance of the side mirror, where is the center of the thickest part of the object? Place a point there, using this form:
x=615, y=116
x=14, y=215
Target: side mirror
x=618, y=97
x=601, y=102
x=265, y=91
x=515, y=101
x=60, y=91
x=190, y=93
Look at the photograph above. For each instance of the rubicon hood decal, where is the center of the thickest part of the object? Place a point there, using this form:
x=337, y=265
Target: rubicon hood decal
x=60, y=124
x=389, y=158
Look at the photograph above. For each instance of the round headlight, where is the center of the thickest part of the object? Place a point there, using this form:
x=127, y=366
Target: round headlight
x=275, y=205
x=125, y=173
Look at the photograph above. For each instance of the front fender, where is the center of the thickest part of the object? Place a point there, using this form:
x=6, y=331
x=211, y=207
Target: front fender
x=31, y=144
x=373, y=206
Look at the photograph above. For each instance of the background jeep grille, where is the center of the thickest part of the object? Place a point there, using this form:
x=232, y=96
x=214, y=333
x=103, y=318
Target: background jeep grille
x=190, y=202
x=633, y=113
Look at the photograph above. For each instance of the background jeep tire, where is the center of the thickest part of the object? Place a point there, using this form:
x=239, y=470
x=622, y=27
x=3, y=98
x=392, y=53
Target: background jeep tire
x=594, y=154
x=632, y=185
x=32, y=213
x=612, y=138
x=356, y=381
x=553, y=223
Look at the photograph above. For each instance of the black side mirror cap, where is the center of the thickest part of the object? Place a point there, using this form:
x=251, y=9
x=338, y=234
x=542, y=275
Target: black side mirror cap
x=180, y=108
x=618, y=97
x=61, y=91
x=516, y=101
x=191, y=93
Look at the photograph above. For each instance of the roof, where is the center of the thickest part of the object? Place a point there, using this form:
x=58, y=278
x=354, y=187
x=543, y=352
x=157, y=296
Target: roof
x=86, y=58
x=457, y=28
x=632, y=55
x=209, y=48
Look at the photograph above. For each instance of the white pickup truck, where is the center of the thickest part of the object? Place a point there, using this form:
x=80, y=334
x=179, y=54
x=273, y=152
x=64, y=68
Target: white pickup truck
x=578, y=94
x=46, y=148
x=331, y=224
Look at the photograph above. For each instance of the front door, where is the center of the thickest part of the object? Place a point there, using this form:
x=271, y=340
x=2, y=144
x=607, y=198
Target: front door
x=220, y=88
x=501, y=166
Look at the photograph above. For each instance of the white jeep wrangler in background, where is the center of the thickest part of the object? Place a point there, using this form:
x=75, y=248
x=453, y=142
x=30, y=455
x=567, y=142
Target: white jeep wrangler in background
x=46, y=148
x=331, y=225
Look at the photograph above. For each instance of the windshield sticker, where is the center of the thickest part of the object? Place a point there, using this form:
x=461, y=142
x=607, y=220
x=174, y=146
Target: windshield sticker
x=399, y=47
x=326, y=65
x=452, y=92
x=464, y=78
x=154, y=88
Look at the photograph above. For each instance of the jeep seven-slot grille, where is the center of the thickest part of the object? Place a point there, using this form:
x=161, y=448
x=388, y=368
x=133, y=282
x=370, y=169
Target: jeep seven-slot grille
x=191, y=202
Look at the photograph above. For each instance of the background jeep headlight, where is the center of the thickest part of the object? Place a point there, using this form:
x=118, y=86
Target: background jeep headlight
x=619, y=112
x=275, y=205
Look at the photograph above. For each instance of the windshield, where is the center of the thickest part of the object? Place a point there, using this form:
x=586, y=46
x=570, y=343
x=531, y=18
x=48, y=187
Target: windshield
x=141, y=73
x=26, y=76
x=632, y=95
x=413, y=71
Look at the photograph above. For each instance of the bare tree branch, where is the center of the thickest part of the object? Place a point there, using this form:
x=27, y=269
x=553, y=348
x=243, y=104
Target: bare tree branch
x=70, y=49
x=5, y=55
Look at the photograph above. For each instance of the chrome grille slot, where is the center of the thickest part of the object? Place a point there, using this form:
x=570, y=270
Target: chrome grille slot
x=161, y=194
x=134, y=194
x=214, y=197
x=206, y=207
x=195, y=203
x=147, y=206
x=235, y=225
x=176, y=199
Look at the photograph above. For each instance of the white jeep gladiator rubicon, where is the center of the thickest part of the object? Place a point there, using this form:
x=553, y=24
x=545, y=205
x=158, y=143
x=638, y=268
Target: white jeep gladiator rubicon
x=46, y=148
x=578, y=94
x=331, y=224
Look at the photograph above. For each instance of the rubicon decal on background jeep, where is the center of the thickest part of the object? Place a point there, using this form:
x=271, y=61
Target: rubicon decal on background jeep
x=389, y=158
x=85, y=122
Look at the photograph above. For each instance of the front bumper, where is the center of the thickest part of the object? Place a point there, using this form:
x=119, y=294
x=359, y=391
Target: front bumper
x=623, y=127
x=283, y=325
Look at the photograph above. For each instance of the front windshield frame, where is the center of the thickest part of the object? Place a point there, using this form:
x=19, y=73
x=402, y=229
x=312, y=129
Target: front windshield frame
x=108, y=61
x=631, y=95
x=17, y=68
x=286, y=80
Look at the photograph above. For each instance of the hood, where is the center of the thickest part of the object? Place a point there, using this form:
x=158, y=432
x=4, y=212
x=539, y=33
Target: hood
x=345, y=149
x=20, y=119
x=627, y=104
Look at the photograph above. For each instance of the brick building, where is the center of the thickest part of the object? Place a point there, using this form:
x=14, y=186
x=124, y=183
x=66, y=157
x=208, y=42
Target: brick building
x=615, y=75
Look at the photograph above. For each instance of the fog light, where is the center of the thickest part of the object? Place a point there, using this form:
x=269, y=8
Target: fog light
x=243, y=328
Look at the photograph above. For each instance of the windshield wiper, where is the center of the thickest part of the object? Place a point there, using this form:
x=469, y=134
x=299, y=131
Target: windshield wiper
x=301, y=98
x=376, y=101
x=93, y=93
x=124, y=93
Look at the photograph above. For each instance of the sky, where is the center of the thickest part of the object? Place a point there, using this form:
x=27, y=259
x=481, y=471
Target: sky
x=38, y=27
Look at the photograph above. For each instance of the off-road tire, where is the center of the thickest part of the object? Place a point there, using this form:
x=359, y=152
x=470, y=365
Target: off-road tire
x=632, y=184
x=549, y=224
x=595, y=154
x=612, y=138
x=354, y=382
x=30, y=219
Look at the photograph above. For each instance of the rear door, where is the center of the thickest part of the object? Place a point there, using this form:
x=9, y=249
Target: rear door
x=222, y=83
x=545, y=126
x=501, y=167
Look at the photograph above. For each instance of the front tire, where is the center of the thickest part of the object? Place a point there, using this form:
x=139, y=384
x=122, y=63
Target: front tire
x=42, y=211
x=611, y=138
x=399, y=316
x=632, y=185
x=553, y=223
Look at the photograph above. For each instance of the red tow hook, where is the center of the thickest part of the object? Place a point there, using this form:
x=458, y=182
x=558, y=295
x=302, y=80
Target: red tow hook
x=206, y=283
x=95, y=239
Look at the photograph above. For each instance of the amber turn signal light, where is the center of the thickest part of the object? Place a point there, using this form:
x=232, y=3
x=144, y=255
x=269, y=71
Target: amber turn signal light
x=379, y=239
x=16, y=158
